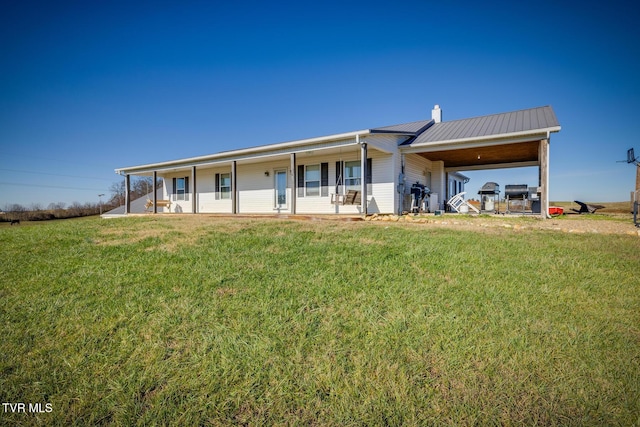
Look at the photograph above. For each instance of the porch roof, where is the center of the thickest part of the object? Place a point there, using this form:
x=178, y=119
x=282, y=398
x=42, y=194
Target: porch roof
x=538, y=120
x=494, y=141
x=445, y=141
x=323, y=142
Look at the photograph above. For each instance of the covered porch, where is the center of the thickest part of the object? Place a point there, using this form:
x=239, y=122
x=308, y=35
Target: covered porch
x=265, y=180
x=500, y=141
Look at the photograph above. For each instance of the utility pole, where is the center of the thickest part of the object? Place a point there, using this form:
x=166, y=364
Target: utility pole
x=100, y=197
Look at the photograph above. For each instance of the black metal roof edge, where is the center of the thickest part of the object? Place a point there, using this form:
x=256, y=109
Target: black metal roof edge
x=385, y=129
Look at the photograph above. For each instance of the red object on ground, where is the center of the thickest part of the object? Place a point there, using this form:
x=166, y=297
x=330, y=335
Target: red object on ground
x=553, y=210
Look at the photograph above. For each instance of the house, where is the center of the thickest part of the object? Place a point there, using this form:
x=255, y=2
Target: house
x=361, y=172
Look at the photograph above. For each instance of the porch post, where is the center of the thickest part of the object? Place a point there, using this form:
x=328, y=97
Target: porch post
x=234, y=198
x=544, y=178
x=155, y=192
x=363, y=176
x=127, y=194
x=194, y=203
x=294, y=193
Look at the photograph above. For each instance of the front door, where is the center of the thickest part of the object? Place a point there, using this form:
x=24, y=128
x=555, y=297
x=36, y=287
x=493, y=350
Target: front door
x=281, y=189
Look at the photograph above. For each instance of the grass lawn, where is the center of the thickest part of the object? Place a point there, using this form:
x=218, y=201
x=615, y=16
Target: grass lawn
x=210, y=321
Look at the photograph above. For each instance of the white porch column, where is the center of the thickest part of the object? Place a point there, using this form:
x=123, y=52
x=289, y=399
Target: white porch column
x=544, y=178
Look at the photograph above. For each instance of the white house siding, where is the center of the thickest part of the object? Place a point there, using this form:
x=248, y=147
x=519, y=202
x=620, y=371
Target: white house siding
x=389, y=143
x=381, y=197
x=178, y=206
x=206, y=188
x=416, y=169
x=256, y=190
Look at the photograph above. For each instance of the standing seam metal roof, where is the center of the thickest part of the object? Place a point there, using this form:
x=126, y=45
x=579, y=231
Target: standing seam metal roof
x=408, y=128
x=496, y=124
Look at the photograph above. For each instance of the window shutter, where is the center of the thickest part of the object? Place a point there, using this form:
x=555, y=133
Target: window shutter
x=217, y=186
x=369, y=176
x=186, y=188
x=300, y=180
x=174, y=190
x=324, y=179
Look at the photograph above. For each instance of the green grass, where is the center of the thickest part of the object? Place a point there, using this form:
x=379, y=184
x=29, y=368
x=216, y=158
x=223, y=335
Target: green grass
x=203, y=321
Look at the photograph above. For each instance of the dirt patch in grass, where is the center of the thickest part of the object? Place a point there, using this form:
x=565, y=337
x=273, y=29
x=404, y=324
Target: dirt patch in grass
x=565, y=224
x=613, y=223
x=178, y=230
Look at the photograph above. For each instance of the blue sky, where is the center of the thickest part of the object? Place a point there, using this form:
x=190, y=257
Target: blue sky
x=86, y=87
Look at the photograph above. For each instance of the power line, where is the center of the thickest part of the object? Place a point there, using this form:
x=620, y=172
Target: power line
x=51, y=186
x=55, y=174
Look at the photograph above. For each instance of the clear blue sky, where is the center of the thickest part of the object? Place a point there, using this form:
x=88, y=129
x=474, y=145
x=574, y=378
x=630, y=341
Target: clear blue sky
x=86, y=86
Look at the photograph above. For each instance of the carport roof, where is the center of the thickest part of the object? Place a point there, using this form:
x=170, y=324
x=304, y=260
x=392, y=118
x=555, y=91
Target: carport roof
x=533, y=120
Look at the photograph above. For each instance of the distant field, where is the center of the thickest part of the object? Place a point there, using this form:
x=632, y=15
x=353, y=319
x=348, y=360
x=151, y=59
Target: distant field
x=179, y=320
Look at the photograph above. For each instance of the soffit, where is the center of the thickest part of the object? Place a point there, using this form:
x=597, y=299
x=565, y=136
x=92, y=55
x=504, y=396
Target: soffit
x=488, y=155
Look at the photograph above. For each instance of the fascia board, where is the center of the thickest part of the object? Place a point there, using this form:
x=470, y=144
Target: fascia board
x=507, y=138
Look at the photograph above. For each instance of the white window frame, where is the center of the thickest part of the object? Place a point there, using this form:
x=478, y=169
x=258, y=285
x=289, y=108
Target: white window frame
x=311, y=181
x=352, y=182
x=180, y=189
x=225, y=190
x=276, y=204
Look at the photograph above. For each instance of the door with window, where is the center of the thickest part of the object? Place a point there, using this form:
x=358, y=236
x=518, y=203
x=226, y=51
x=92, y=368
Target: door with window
x=281, y=189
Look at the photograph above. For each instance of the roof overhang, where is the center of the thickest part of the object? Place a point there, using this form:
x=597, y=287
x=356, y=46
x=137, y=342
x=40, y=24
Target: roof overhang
x=264, y=151
x=515, y=149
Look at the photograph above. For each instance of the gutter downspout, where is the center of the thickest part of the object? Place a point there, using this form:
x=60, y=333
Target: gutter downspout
x=363, y=174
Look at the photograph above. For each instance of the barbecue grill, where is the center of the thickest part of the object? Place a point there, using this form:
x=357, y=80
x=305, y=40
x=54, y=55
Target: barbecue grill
x=516, y=192
x=418, y=194
x=489, y=197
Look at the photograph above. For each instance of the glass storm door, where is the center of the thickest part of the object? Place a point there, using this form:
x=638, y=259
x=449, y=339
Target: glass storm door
x=281, y=188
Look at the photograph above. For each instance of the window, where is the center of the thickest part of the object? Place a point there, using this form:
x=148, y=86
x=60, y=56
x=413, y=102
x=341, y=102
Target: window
x=352, y=175
x=223, y=186
x=280, y=188
x=181, y=188
x=312, y=180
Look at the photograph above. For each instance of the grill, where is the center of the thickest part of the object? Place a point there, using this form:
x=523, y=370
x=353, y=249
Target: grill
x=418, y=194
x=490, y=188
x=517, y=192
x=489, y=197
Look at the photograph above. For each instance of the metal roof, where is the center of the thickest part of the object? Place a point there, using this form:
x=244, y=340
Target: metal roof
x=522, y=121
x=412, y=128
x=534, y=120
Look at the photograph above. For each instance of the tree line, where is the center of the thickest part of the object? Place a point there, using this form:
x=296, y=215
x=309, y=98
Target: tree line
x=140, y=187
